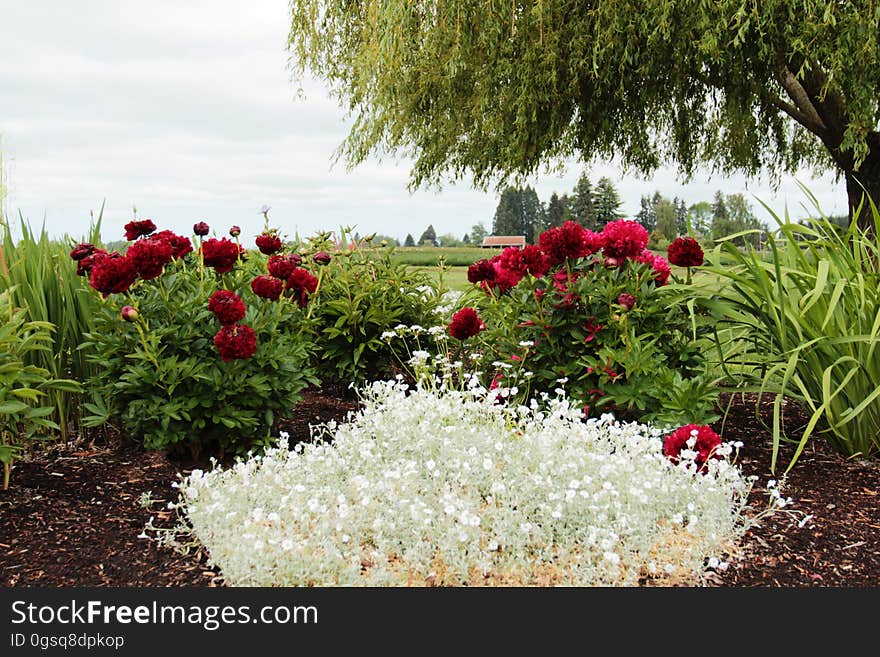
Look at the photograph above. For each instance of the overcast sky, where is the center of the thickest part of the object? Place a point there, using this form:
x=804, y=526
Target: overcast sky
x=186, y=111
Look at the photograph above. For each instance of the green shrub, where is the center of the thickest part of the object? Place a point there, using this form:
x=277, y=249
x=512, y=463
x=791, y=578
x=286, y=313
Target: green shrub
x=23, y=386
x=805, y=324
x=161, y=373
x=363, y=292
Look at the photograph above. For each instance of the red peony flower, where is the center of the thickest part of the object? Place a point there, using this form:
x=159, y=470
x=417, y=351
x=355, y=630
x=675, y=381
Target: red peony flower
x=685, y=252
x=530, y=259
x=322, y=258
x=227, y=306
x=201, y=229
x=235, y=341
x=135, y=229
x=81, y=251
x=221, y=254
x=180, y=245
x=661, y=270
x=465, y=324
x=505, y=278
x=624, y=239
x=282, y=266
x=705, y=443
x=267, y=287
x=112, y=274
x=658, y=264
x=626, y=300
x=84, y=266
x=482, y=270
x=570, y=240
x=268, y=243
x=129, y=313
x=302, y=283
x=150, y=256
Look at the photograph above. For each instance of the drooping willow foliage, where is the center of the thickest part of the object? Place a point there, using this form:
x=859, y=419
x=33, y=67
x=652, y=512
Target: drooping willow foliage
x=493, y=89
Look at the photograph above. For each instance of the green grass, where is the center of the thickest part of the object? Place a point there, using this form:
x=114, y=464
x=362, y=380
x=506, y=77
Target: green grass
x=454, y=278
x=426, y=256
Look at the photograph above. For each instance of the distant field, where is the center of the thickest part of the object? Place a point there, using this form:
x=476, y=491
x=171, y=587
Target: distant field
x=455, y=278
x=426, y=256
x=459, y=259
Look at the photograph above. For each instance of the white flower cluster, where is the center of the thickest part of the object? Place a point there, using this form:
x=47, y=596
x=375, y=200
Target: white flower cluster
x=448, y=304
x=439, y=486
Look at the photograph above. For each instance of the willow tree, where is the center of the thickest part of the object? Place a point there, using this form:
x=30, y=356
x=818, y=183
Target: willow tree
x=496, y=89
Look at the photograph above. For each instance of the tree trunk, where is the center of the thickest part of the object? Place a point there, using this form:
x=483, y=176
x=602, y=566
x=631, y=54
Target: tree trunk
x=865, y=181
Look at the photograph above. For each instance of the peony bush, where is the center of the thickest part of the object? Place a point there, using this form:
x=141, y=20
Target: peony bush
x=594, y=313
x=435, y=485
x=201, y=346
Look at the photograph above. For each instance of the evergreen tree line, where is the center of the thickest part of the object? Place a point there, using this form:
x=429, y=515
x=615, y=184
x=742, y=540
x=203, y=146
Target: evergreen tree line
x=521, y=212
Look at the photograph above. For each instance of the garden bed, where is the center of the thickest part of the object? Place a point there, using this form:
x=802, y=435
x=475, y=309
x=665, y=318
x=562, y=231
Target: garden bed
x=73, y=515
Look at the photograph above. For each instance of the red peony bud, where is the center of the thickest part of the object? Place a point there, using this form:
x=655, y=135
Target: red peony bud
x=235, y=231
x=129, y=313
x=626, y=300
x=322, y=258
x=201, y=228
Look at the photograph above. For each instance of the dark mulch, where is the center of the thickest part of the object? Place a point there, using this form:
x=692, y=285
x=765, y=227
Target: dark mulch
x=72, y=515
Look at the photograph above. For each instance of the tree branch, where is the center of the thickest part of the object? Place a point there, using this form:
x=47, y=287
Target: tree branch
x=801, y=100
x=791, y=110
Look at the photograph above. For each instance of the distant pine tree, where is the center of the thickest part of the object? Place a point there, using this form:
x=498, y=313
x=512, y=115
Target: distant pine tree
x=429, y=237
x=409, y=241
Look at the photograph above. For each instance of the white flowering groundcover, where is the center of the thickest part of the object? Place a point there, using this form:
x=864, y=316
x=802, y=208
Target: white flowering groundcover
x=436, y=486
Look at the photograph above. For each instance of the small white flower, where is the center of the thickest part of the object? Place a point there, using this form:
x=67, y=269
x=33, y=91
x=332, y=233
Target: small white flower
x=526, y=343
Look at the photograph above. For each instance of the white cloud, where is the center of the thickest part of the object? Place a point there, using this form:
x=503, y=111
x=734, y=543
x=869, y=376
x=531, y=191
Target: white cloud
x=186, y=111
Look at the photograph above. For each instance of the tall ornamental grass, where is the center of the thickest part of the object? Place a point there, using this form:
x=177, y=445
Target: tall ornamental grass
x=803, y=321
x=42, y=279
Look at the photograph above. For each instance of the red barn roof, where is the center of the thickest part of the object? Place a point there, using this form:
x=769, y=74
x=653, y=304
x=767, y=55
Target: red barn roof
x=502, y=241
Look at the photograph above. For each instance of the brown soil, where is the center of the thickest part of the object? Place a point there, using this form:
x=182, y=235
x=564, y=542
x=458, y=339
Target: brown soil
x=73, y=514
